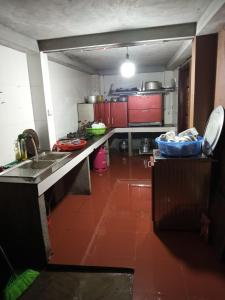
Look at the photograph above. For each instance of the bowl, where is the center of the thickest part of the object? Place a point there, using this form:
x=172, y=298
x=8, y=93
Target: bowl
x=180, y=149
x=69, y=146
x=96, y=131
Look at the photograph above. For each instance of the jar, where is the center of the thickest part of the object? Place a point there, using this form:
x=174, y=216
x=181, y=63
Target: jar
x=23, y=149
x=17, y=150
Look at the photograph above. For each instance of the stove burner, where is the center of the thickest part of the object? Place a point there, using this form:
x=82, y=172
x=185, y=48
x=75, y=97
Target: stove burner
x=71, y=135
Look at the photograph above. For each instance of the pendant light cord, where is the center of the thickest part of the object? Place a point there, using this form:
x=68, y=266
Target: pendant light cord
x=127, y=55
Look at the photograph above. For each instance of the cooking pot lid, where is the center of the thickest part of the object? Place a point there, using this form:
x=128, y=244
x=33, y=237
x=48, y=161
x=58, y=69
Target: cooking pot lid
x=213, y=130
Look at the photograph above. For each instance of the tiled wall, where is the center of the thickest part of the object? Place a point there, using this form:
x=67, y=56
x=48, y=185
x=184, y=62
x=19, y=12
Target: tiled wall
x=16, y=112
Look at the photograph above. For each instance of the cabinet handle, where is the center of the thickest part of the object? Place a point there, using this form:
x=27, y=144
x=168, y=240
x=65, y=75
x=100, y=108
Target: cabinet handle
x=112, y=120
x=108, y=121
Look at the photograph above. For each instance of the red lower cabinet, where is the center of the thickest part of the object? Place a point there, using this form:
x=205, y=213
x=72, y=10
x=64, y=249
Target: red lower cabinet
x=118, y=114
x=145, y=115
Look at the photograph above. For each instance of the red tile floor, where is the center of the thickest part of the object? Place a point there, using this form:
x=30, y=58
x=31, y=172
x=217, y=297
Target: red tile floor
x=112, y=227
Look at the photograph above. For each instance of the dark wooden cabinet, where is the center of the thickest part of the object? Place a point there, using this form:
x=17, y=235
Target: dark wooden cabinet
x=181, y=188
x=119, y=114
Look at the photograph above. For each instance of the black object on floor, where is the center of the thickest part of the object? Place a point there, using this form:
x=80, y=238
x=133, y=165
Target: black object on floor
x=76, y=283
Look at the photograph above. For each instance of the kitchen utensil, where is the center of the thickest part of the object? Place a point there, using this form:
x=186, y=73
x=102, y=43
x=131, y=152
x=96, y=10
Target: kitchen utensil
x=213, y=130
x=100, y=98
x=67, y=145
x=91, y=99
x=153, y=85
x=145, y=145
x=142, y=86
x=123, y=145
x=180, y=149
x=123, y=98
x=96, y=131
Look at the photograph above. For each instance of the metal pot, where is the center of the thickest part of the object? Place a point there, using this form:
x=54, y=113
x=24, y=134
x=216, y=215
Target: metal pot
x=123, y=98
x=100, y=98
x=91, y=99
x=153, y=85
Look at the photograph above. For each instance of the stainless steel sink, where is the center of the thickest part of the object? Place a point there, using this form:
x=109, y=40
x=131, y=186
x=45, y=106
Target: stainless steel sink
x=39, y=165
x=32, y=168
x=53, y=155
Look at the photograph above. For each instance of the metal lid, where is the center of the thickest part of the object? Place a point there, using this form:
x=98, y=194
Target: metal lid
x=213, y=130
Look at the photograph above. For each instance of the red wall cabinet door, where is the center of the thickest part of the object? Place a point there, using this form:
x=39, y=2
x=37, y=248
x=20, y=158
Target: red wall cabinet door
x=119, y=114
x=107, y=114
x=99, y=112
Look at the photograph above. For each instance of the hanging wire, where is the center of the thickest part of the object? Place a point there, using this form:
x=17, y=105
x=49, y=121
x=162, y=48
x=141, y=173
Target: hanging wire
x=127, y=55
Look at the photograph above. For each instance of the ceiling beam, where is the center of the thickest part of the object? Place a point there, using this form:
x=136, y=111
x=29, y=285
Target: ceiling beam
x=214, y=7
x=71, y=62
x=17, y=41
x=119, y=38
x=182, y=53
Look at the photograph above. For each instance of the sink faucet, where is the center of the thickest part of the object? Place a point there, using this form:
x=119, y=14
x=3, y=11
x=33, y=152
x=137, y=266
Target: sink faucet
x=36, y=158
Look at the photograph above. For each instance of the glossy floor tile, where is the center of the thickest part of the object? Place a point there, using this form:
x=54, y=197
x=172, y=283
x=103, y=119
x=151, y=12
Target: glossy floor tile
x=112, y=227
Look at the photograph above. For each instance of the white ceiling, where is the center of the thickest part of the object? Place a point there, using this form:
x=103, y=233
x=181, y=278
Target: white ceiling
x=47, y=19
x=151, y=56
x=44, y=19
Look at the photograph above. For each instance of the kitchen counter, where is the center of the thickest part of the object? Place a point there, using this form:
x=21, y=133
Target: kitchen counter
x=23, y=219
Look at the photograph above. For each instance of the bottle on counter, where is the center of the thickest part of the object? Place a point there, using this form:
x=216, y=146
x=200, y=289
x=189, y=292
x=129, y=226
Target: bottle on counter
x=23, y=147
x=17, y=150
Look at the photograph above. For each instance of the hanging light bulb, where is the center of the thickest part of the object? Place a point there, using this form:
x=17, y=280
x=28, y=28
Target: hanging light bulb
x=127, y=69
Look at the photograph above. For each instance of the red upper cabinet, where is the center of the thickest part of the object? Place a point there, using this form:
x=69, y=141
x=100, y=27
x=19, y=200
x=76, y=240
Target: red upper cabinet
x=99, y=112
x=119, y=114
x=145, y=102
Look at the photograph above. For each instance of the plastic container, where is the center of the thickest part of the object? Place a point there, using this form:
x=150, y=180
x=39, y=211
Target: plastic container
x=180, y=149
x=68, y=146
x=96, y=131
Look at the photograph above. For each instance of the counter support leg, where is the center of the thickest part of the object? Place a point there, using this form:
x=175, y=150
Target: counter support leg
x=82, y=179
x=129, y=144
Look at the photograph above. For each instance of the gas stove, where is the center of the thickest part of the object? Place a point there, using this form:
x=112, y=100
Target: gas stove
x=77, y=135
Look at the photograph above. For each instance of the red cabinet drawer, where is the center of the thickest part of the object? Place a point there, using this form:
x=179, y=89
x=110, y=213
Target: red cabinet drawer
x=145, y=102
x=145, y=115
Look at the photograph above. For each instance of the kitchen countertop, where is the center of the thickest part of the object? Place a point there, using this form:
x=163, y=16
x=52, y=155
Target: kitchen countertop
x=61, y=168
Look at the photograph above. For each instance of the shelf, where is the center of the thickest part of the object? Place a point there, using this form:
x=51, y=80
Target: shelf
x=143, y=93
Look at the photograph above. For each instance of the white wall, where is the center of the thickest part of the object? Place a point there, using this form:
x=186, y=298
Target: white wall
x=68, y=87
x=136, y=81
x=16, y=112
x=38, y=100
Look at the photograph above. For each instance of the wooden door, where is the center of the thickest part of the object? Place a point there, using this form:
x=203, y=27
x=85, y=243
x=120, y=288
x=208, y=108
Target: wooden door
x=119, y=114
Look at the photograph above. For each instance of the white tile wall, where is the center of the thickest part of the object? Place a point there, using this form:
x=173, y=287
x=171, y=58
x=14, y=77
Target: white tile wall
x=16, y=113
